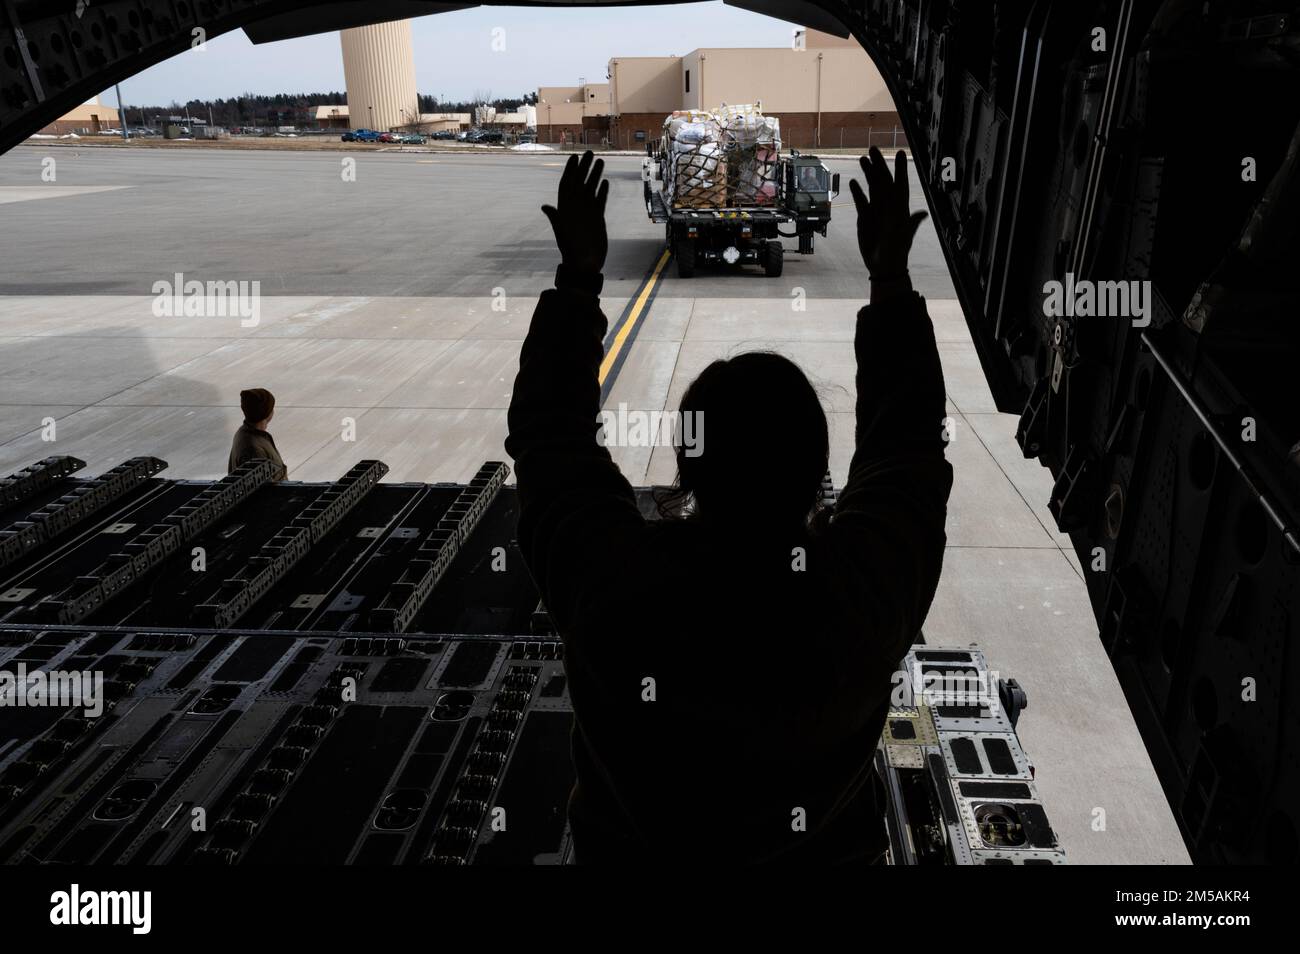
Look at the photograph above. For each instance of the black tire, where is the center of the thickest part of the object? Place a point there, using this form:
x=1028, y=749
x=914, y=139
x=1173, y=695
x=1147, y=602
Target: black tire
x=773, y=259
x=684, y=252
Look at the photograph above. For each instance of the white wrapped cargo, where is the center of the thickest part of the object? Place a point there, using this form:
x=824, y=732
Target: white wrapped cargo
x=681, y=117
x=724, y=158
x=697, y=176
x=746, y=126
x=752, y=143
x=694, y=134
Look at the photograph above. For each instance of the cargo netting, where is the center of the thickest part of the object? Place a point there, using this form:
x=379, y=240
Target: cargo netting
x=722, y=158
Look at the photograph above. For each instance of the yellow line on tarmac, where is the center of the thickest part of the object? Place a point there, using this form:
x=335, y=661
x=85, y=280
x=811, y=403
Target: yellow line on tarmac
x=633, y=316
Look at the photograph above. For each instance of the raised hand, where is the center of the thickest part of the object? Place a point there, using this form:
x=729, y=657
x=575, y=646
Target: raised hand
x=578, y=217
x=885, y=229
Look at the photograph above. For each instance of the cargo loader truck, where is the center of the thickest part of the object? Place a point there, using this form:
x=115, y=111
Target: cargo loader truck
x=717, y=182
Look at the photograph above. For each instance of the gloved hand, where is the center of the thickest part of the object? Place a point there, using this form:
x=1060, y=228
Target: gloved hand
x=578, y=217
x=885, y=229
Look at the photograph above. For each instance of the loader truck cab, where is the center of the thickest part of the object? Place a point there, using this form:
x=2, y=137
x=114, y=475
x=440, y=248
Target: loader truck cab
x=811, y=188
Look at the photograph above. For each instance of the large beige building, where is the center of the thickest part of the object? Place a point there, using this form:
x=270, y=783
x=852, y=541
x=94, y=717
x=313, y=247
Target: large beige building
x=573, y=113
x=445, y=122
x=331, y=117
x=824, y=89
x=88, y=119
x=338, y=118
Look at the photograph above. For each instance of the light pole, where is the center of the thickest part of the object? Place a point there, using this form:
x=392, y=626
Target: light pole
x=121, y=116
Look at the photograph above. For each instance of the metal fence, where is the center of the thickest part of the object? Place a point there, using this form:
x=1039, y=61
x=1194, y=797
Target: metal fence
x=837, y=137
x=587, y=139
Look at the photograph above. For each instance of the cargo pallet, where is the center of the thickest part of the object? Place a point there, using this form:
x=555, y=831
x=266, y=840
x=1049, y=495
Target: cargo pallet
x=408, y=593
x=150, y=548
x=283, y=551
x=78, y=504
x=18, y=487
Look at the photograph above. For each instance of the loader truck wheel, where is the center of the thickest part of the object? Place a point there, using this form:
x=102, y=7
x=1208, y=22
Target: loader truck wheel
x=773, y=259
x=684, y=252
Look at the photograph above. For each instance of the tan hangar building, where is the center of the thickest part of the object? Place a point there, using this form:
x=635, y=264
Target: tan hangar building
x=89, y=119
x=824, y=89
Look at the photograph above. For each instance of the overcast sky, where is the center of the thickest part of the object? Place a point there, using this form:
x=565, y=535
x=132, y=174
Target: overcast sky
x=454, y=55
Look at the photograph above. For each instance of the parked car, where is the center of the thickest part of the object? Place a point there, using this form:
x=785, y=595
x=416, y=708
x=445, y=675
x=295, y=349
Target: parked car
x=361, y=135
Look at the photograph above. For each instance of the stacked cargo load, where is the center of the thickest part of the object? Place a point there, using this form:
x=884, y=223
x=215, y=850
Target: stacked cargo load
x=717, y=180
x=751, y=143
x=697, y=173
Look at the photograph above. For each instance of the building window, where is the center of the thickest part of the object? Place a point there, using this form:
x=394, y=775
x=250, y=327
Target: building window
x=688, y=81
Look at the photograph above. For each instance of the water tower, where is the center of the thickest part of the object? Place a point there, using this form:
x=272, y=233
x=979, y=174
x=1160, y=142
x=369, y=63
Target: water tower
x=379, y=70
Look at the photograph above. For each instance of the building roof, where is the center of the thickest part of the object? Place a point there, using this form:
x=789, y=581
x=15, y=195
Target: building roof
x=325, y=112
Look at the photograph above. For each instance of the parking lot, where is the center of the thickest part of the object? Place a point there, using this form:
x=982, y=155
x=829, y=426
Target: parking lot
x=394, y=291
